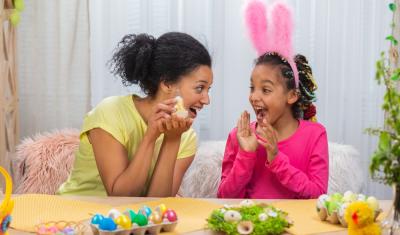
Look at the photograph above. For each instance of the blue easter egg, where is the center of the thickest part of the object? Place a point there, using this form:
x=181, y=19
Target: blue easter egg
x=145, y=210
x=107, y=224
x=96, y=219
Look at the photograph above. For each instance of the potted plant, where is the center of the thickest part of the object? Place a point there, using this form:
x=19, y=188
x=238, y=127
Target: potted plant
x=385, y=164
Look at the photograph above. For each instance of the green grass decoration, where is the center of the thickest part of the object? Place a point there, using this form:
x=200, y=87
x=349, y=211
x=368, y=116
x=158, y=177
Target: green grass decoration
x=276, y=221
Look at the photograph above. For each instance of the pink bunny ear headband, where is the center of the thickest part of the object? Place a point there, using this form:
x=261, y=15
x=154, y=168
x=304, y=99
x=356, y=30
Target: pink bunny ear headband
x=274, y=37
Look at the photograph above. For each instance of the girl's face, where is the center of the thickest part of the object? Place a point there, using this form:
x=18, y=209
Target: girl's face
x=194, y=88
x=269, y=96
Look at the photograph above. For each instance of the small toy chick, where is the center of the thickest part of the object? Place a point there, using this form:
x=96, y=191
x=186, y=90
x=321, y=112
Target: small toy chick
x=360, y=218
x=180, y=108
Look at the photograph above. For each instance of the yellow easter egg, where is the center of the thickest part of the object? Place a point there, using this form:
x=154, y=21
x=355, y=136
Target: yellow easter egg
x=124, y=221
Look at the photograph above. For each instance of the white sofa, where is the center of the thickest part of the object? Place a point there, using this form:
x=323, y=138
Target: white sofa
x=203, y=176
x=44, y=161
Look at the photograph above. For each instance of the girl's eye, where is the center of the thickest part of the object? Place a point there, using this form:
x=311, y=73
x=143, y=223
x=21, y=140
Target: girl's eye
x=266, y=91
x=251, y=89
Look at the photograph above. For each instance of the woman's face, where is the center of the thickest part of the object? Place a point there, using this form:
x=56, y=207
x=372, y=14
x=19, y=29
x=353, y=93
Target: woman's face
x=194, y=88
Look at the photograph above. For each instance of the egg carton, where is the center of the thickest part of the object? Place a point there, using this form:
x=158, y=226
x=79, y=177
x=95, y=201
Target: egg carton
x=152, y=229
x=337, y=217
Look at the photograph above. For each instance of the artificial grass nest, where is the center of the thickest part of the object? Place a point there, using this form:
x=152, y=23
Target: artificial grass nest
x=249, y=218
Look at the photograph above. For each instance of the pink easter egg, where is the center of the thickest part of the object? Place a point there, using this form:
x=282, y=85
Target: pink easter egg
x=170, y=215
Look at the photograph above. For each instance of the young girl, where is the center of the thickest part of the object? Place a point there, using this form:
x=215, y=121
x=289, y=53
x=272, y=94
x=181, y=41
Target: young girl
x=281, y=155
x=133, y=146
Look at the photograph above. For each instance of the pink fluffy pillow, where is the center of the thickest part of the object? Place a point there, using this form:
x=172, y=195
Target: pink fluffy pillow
x=44, y=162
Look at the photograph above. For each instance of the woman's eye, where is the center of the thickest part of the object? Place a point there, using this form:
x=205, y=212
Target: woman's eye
x=199, y=89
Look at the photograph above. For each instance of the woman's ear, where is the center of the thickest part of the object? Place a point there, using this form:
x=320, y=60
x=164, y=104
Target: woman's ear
x=293, y=96
x=166, y=88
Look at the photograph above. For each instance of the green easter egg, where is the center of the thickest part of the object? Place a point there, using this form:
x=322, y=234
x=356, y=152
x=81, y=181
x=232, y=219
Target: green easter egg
x=140, y=220
x=15, y=18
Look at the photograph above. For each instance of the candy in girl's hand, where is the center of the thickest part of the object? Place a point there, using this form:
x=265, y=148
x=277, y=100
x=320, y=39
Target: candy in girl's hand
x=180, y=108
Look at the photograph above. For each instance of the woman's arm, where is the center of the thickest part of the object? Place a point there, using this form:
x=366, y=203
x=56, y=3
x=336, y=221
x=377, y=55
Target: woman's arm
x=162, y=181
x=121, y=177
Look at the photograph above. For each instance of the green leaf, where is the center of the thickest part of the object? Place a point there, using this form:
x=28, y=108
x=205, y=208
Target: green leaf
x=392, y=39
x=392, y=7
x=396, y=75
x=384, y=141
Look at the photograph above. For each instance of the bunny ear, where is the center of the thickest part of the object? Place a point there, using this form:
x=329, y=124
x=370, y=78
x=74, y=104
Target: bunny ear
x=281, y=34
x=256, y=22
x=282, y=29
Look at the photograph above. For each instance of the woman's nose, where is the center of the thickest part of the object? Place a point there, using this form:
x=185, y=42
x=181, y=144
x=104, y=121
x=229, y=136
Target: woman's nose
x=205, y=99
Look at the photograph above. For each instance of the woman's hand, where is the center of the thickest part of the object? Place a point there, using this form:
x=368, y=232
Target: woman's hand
x=175, y=126
x=247, y=139
x=268, y=139
x=160, y=113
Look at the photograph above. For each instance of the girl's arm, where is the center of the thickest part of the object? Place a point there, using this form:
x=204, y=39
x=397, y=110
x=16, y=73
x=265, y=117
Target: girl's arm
x=121, y=177
x=237, y=168
x=307, y=185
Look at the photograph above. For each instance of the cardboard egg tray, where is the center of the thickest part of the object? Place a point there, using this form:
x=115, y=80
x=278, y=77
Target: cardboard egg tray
x=152, y=229
x=335, y=218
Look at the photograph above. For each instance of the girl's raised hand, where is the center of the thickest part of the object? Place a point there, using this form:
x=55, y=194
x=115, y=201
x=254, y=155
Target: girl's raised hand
x=161, y=112
x=269, y=139
x=175, y=126
x=247, y=139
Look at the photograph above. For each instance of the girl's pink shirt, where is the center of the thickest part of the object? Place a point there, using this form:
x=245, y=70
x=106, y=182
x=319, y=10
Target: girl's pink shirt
x=300, y=169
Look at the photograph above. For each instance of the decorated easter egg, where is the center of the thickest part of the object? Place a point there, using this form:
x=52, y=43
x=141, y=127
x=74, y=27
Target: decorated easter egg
x=145, y=210
x=170, y=215
x=131, y=214
x=161, y=209
x=340, y=214
x=107, y=224
x=361, y=197
x=113, y=213
x=232, y=216
x=124, y=221
x=373, y=203
x=96, y=219
x=262, y=217
x=246, y=203
x=140, y=220
x=349, y=196
x=155, y=217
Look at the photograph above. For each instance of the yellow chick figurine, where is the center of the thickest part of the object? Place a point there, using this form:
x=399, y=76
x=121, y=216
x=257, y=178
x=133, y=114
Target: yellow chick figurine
x=360, y=219
x=180, y=108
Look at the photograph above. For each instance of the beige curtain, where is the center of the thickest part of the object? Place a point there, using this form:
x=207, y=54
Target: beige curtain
x=53, y=65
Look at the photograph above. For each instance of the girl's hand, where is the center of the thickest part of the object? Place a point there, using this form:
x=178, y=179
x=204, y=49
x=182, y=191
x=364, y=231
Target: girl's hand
x=269, y=139
x=161, y=112
x=247, y=139
x=174, y=126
